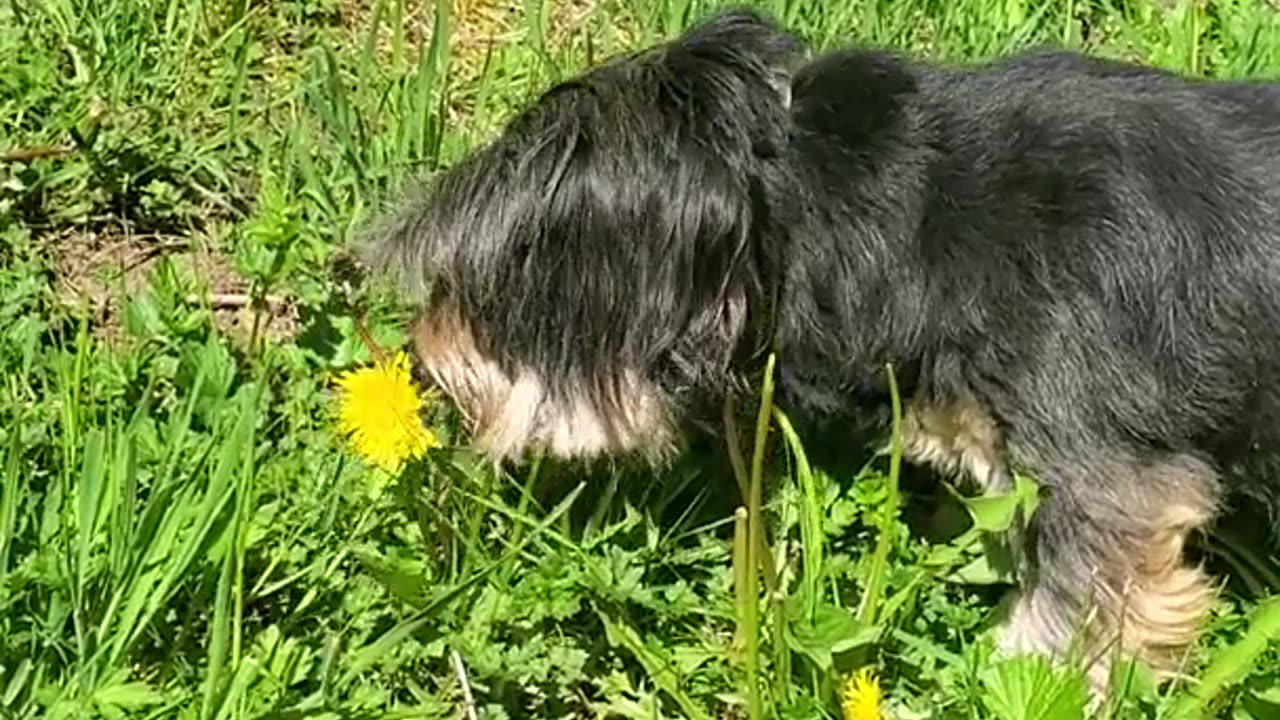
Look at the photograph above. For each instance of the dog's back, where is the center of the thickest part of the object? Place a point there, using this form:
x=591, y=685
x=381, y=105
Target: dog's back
x=1092, y=234
x=1186, y=246
x=1248, y=107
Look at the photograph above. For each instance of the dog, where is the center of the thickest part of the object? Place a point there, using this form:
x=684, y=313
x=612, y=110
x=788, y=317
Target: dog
x=1072, y=264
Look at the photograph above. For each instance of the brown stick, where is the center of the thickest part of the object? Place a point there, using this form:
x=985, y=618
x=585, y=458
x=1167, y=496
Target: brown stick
x=27, y=154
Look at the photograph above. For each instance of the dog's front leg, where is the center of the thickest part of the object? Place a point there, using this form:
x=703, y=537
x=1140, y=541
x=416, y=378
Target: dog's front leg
x=1107, y=569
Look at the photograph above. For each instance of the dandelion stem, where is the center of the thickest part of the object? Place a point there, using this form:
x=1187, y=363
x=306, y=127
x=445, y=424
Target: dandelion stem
x=379, y=354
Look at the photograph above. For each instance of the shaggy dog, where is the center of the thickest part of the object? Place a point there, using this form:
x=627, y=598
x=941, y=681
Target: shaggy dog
x=1073, y=264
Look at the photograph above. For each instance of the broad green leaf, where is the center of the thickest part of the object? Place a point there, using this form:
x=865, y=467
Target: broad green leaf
x=1029, y=687
x=659, y=667
x=833, y=630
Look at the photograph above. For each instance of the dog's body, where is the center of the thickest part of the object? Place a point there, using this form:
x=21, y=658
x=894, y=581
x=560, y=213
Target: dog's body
x=1074, y=264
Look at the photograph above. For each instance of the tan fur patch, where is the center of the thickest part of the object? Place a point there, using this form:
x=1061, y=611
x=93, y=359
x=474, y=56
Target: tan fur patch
x=510, y=415
x=1165, y=601
x=958, y=438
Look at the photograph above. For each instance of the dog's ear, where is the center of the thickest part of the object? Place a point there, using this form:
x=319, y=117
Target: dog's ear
x=748, y=40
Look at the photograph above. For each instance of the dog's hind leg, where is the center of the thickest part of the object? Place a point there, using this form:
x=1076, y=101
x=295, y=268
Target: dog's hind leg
x=1108, y=572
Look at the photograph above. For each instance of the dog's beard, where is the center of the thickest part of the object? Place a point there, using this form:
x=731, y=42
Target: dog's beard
x=510, y=413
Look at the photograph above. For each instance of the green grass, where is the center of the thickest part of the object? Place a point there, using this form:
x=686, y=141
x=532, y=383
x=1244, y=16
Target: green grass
x=182, y=535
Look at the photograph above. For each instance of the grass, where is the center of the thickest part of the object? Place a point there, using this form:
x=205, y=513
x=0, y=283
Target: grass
x=182, y=535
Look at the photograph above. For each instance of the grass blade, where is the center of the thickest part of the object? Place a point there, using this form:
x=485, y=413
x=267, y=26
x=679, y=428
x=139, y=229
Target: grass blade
x=1233, y=663
x=869, y=607
x=811, y=510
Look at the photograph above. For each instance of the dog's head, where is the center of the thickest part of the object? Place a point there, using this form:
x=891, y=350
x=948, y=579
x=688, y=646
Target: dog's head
x=592, y=269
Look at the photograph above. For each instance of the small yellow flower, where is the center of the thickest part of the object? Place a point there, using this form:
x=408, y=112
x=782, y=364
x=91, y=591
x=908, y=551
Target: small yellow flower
x=379, y=413
x=861, y=697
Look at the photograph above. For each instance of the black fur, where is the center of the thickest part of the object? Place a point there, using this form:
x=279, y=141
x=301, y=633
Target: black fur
x=1089, y=250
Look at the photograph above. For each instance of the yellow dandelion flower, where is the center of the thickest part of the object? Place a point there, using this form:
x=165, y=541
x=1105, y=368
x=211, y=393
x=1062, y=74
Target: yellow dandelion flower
x=379, y=413
x=861, y=697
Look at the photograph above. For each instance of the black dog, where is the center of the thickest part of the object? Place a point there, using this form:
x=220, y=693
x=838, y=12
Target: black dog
x=1073, y=263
